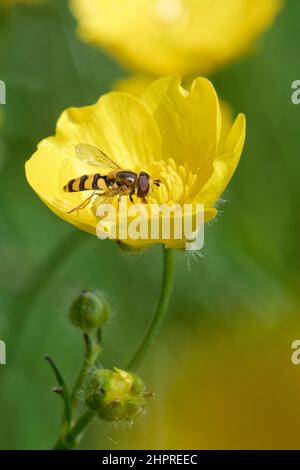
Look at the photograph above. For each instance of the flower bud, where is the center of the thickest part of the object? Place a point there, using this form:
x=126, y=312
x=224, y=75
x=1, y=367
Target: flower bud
x=89, y=311
x=116, y=395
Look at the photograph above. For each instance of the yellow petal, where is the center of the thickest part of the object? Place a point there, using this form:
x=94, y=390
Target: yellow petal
x=189, y=122
x=43, y=173
x=224, y=165
x=118, y=124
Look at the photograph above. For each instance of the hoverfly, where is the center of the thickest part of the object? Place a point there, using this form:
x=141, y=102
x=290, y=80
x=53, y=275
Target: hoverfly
x=117, y=182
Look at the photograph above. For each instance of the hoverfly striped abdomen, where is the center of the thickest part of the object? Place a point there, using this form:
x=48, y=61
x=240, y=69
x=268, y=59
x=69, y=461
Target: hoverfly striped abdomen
x=87, y=183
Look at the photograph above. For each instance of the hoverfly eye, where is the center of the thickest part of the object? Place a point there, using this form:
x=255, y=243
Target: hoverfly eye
x=143, y=185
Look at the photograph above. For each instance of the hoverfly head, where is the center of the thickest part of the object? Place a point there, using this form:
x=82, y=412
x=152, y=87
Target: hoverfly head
x=143, y=184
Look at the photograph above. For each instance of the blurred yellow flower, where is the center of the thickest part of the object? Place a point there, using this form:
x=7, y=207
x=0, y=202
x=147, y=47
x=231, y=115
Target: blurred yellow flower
x=174, y=36
x=172, y=134
x=233, y=385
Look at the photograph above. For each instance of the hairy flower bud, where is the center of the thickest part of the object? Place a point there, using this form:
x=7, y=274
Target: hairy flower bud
x=116, y=395
x=89, y=311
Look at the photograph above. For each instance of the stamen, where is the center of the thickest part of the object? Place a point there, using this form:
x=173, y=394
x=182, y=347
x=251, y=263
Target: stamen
x=177, y=182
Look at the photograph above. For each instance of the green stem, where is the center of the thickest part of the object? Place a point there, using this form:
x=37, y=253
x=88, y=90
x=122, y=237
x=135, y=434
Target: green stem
x=92, y=351
x=161, y=311
x=69, y=438
x=69, y=433
x=63, y=391
x=69, y=441
x=82, y=423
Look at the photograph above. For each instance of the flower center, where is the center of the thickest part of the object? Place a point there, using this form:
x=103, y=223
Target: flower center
x=177, y=182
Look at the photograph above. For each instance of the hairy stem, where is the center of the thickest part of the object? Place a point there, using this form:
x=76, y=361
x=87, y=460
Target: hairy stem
x=70, y=428
x=92, y=351
x=70, y=440
x=160, y=313
x=63, y=391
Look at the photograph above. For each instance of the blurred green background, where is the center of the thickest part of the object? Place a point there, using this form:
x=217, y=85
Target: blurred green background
x=221, y=371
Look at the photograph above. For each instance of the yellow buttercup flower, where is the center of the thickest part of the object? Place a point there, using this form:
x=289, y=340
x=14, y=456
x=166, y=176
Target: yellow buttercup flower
x=172, y=134
x=174, y=36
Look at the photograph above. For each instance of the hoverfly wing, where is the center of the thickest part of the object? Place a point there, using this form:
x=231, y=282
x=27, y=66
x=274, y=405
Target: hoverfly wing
x=94, y=156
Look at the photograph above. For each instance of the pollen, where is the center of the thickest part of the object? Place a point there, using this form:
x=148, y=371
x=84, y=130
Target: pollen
x=178, y=183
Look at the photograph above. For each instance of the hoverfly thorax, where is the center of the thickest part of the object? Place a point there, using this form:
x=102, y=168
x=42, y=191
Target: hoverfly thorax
x=126, y=177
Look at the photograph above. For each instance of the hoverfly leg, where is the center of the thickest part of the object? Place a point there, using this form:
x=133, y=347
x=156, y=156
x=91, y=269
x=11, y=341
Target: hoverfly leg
x=144, y=200
x=83, y=204
x=131, y=198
